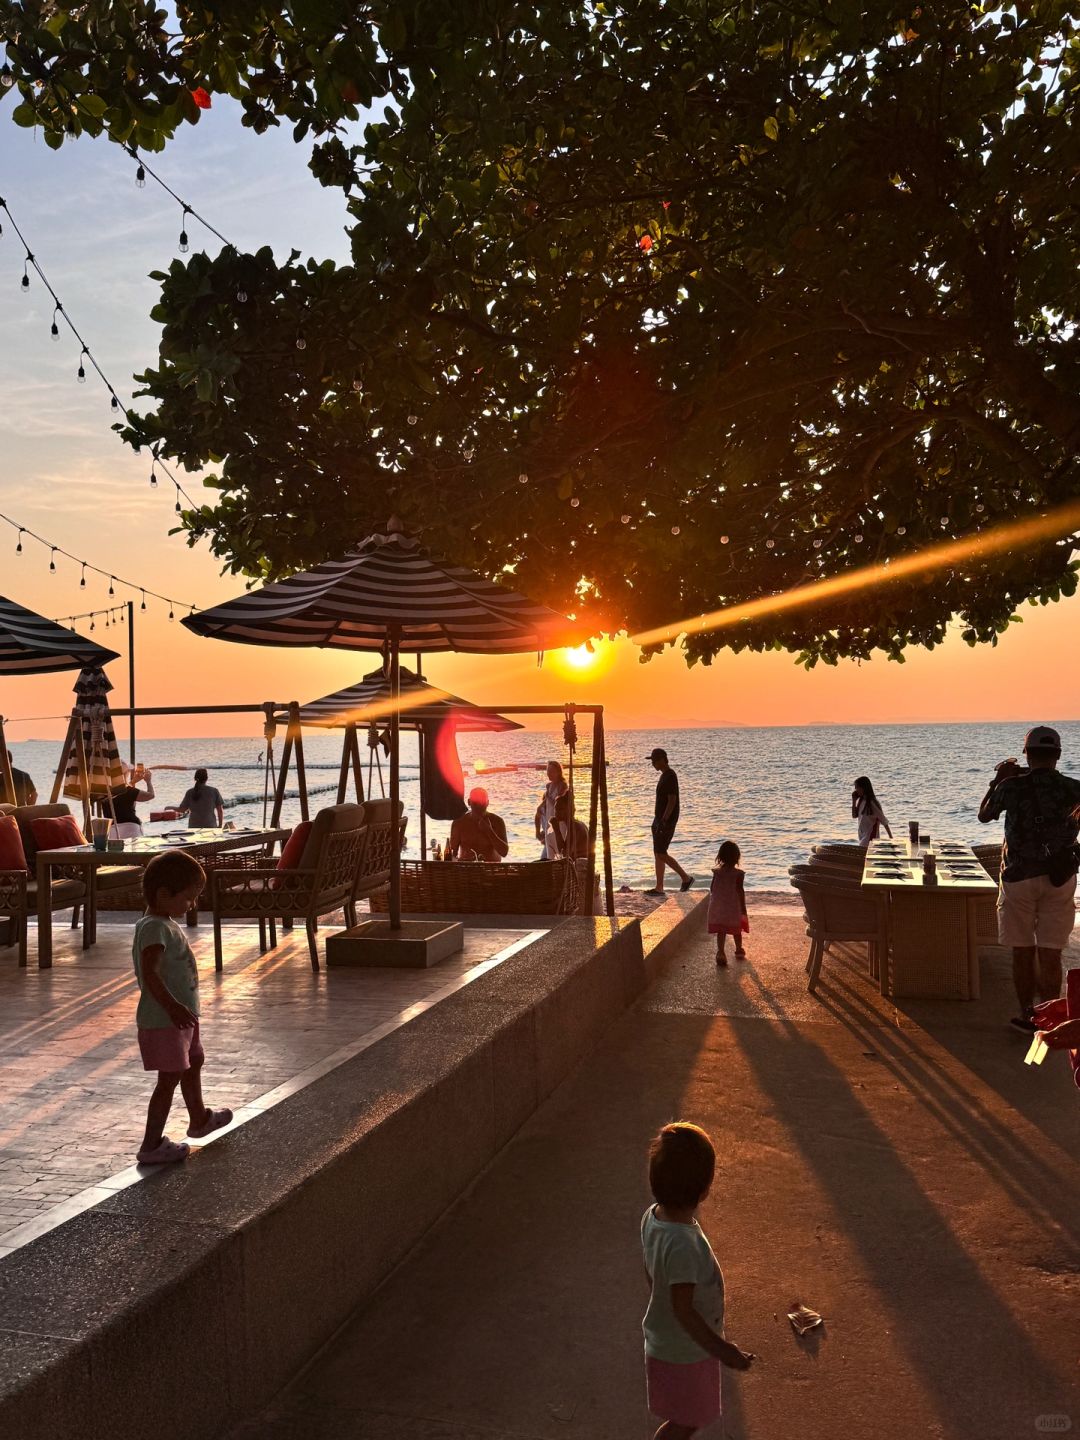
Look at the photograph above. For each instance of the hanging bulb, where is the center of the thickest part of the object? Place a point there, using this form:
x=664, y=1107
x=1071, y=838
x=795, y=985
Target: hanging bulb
x=143, y=594
x=153, y=478
x=901, y=530
x=625, y=519
x=178, y=510
x=979, y=509
x=467, y=454
x=115, y=403
x=112, y=579
x=24, y=283
x=82, y=579
x=52, y=561
x=18, y=547
x=54, y=329
x=574, y=503
x=770, y=544
x=357, y=386
x=241, y=295
x=92, y=622
x=523, y=478
x=858, y=539
x=7, y=79
x=818, y=544
x=675, y=530
x=171, y=615
x=301, y=343
x=140, y=176
x=80, y=374
x=724, y=539
x=412, y=419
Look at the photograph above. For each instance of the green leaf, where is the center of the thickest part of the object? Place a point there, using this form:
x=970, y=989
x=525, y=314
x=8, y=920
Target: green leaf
x=771, y=127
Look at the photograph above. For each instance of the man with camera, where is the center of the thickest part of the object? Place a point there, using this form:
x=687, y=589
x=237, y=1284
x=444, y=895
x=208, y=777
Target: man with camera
x=1036, y=906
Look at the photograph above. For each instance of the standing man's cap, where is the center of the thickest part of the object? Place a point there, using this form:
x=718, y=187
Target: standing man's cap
x=1043, y=738
x=658, y=754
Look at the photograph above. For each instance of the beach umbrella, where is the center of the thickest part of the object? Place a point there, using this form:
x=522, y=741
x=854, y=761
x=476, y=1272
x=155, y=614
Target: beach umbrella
x=104, y=769
x=369, y=702
x=32, y=645
x=389, y=595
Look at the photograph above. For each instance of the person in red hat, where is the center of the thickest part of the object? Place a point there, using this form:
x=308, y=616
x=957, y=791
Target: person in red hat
x=1036, y=898
x=478, y=834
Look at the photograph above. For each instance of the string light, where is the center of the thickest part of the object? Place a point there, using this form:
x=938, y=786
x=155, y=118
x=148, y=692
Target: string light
x=574, y=503
x=143, y=170
x=625, y=519
x=25, y=276
x=242, y=296
x=523, y=478
x=7, y=79
x=85, y=354
x=179, y=508
x=301, y=343
x=87, y=567
x=140, y=177
x=412, y=419
x=675, y=530
x=184, y=242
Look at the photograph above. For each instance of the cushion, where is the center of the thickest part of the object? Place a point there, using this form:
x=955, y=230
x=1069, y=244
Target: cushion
x=294, y=846
x=54, y=832
x=12, y=854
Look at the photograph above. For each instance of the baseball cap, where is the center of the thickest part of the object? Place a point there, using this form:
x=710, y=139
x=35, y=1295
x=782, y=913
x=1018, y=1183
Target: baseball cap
x=478, y=796
x=1042, y=738
x=658, y=754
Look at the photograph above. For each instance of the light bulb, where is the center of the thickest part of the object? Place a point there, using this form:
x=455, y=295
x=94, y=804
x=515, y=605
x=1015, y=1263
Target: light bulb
x=115, y=403
x=185, y=243
x=412, y=419
x=979, y=509
x=18, y=547
x=523, y=478
x=770, y=544
x=111, y=579
x=140, y=176
x=143, y=605
x=25, y=281
x=818, y=544
x=675, y=530
x=7, y=79
x=82, y=579
x=467, y=454
x=54, y=329
x=153, y=479
x=858, y=539
x=724, y=539
x=171, y=615
x=574, y=503
x=301, y=343
x=901, y=530
x=625, y=519
x=92, y=626
x=357, y=386
x=52, y=561
x=241, y=295
x=80, y=374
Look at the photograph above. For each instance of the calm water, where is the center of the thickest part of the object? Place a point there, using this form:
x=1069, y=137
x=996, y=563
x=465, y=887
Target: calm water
x=774, y=791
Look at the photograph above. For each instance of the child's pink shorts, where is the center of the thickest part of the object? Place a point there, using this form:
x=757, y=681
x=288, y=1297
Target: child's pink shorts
x=170, y=1049
x=684, y=1394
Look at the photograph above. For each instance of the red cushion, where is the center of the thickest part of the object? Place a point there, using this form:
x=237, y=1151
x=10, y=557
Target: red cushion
x=12, y=854
x=289, y=858
x=54, y=832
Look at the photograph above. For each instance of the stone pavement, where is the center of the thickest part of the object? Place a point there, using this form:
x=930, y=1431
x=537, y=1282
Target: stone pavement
x=72, y=1089
x=895, y=1167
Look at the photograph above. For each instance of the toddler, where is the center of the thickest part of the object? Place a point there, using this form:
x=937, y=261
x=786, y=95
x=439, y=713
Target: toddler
x=684, y=1324
x=727, y=902
x=168, y=1013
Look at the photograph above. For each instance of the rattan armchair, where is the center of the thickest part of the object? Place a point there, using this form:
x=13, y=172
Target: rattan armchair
x=19, y=890
x=252, y=888
x=838, y=910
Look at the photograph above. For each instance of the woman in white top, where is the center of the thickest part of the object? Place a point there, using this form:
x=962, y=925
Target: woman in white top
x=545, y=811
x=866, y=808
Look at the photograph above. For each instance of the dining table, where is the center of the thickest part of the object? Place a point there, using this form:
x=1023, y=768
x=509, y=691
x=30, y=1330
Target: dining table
x=930, y=919
x=84, y=861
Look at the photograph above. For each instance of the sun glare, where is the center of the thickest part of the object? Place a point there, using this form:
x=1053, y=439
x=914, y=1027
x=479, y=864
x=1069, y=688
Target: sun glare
x=580, y=659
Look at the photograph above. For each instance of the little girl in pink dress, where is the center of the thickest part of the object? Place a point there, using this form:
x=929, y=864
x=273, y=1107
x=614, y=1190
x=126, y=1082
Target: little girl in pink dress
x=727, y=901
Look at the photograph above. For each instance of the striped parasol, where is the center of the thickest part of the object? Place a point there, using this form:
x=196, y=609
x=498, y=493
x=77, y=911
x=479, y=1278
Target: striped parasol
x=105, y=770
x=369, y=702
x=32, y=645
x=389, y=594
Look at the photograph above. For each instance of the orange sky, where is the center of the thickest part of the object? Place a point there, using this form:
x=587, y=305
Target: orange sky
x=64, y=473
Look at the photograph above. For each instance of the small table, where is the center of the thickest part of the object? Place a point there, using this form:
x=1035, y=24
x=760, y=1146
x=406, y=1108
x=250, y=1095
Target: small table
x=138, y=852
x=930, y=927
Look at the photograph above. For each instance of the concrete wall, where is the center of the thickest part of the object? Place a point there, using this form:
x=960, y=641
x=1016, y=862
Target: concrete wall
x=258, y=1248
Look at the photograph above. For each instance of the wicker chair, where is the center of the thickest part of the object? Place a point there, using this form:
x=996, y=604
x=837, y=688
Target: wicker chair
x=18, y=888
x=324, y=881
x=553, y=887
x=986, y=916
x=835, y=853
x=837, y=910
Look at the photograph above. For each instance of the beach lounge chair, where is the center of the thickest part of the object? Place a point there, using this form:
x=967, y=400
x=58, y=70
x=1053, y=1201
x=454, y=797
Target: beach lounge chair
x=838, y=911
x=325, y=879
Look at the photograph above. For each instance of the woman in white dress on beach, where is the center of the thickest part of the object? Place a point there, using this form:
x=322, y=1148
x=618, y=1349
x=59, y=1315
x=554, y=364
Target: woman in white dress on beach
x=866, y=808
x=545, y=812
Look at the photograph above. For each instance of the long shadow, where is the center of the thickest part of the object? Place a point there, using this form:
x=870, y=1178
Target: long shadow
x=931, y=1285
x=1019, y=1170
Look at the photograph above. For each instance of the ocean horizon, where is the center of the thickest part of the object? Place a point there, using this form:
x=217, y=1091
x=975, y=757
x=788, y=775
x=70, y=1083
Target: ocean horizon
x=774, y=790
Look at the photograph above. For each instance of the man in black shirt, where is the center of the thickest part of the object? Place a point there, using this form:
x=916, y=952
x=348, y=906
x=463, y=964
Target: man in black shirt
x=665, y=818
x=25, y=789
x=1038, y=869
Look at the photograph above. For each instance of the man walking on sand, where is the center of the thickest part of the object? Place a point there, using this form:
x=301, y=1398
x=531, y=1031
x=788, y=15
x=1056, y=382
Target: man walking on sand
x=665, y=818
x=1036, y=910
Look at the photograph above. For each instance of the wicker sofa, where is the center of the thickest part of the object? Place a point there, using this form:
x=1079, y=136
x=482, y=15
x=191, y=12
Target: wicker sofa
x=18, y=888
x=432, y=887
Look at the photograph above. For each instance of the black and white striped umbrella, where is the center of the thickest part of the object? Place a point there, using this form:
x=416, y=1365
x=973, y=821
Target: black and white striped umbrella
x=389, y=588
x=104, y=768
x=370, y=702
x=32, y=645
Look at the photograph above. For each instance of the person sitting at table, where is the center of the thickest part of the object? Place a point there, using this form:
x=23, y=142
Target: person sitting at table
x=25, y=789
x=202, y=804
x=478, y=834
x=557, y=846
x=120, y=805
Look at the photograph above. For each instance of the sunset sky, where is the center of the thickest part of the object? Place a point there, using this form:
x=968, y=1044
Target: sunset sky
x=65, y=474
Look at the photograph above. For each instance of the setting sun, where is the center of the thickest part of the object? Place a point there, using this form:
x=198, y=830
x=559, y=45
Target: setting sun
x=579, y=659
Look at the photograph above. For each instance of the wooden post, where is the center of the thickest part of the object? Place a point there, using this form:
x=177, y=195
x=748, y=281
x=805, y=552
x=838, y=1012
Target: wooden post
x=594, y=795
x=131, y=677
x=283, y=775
x=65, y=753
x=605, y=823
x=343, y=773
x=357, y=767
x=395, y=778
x=421, y=751
x=7, y=783
x=298, y=748
x=84, y=774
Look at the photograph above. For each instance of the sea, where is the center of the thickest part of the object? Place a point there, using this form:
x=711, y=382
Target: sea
x=774, y=790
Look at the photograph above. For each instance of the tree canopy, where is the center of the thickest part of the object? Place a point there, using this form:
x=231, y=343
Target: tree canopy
x=658, y=305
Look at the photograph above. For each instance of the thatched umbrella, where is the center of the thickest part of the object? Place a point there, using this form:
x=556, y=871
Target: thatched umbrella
x=389, y=595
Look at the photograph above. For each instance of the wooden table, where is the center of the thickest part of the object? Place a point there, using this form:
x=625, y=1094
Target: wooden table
x=138, y=852
x=932, y=950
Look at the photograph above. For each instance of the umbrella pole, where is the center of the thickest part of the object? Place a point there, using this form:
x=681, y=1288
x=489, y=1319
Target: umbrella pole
x=65, y=756
x=7, y=782
x=395, y=779
x=605, y=823
x=421, y=750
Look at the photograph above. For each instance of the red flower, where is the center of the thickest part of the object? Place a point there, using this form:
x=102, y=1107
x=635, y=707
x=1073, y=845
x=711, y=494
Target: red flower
x=645, y=243
x=201, y=98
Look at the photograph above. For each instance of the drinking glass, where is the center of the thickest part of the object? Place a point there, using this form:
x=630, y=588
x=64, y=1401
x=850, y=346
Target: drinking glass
x=99, y=832
x=913, y=832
